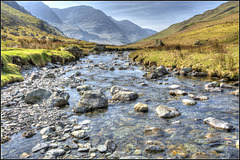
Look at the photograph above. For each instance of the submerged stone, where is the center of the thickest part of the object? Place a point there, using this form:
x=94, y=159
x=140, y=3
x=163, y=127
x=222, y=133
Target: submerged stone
x=167, y=112
x=218, y=124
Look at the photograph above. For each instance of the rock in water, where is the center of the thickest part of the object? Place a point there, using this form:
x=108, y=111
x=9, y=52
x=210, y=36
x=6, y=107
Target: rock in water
x=125, y=96
x=37, y=96
x=140, y=107
x=40, y=146
x=93, y=99
x=167, y=112
x=111, y=146
x=79, y=134
x=54, y=153
x=189, y=102
x=218, y=124
x=177, y=92
x=102, y=148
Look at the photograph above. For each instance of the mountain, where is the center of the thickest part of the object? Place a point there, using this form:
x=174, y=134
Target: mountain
x=41, y=11
x=150, y=31
x=90, y=24
x=16, y=6
x=199, y=22
x=13, y=17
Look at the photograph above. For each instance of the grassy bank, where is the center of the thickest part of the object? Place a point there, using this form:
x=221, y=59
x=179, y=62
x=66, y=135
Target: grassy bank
x=220, y=61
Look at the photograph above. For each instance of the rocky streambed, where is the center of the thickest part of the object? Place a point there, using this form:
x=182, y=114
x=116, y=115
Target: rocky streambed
x=105, y=106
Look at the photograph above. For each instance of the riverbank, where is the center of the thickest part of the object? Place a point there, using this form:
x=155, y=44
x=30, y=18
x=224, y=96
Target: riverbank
x=222, y=62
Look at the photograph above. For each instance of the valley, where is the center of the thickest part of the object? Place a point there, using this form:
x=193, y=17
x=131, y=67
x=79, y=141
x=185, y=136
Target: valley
x=79, y=84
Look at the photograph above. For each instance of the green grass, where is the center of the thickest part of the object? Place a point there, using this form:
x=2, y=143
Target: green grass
x=204, y=59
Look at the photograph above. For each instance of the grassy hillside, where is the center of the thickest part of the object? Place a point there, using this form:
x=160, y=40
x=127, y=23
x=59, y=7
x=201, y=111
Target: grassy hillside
x=13, y=17
x=205, y=20
x=217, y=54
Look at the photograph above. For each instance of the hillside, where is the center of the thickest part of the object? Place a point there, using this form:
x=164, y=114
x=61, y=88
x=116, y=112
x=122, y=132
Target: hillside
x=87, y=23
x=224, y=17
x=14, y=17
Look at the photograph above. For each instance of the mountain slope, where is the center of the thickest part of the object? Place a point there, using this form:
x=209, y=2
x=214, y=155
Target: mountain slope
x=16, y=6
x=90, y=24
x=41, y=11
x=210, y=15
x=13, y=17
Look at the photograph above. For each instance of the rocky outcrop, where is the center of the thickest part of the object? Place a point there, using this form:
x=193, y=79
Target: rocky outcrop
x=75, y=51
x=167, y=112
x=218, y=124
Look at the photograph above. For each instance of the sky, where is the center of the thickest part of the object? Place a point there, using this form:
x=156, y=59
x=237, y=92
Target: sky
x=156, y=15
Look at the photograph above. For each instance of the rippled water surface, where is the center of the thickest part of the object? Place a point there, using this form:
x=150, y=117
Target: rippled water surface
x=125, y=126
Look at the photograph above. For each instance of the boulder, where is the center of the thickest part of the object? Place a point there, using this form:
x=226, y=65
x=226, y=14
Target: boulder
x=218, y=124
x=93, y=99
x=152, y=75
x=159, y=43
x=37, y=96
x=116, y=89
x=58, y=99
x=125, y=96
x=140, y=107
x=161, y=70
x=177, y=92
x=167, y=112
x=213, y=87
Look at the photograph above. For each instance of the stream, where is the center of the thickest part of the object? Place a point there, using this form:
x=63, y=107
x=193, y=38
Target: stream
x=179, y=137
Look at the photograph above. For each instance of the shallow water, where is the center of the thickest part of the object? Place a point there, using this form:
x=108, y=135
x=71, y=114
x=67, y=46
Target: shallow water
x=125, y=127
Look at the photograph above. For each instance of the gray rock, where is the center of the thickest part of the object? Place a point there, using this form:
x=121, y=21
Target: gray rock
x=167, y=112
x=185, y=71
x=152, y=75
x=177, y=92
x=37, y=96
x=189, y=102
x=125, y=96
x=153, y=149
x=93, y=99
x=218, y=124
x=118, y=154
x=111, y=68
x=162, y=70
x=54, y=153
x=213, y=87
x=102, y=148
x=116, y=89
x=79, y=134
x=46, y=130
x=140, y=107
x=111, y=146
x=40, y=146
x=57, y=99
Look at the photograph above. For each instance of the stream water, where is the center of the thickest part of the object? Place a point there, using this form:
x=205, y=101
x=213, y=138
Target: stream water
x=127, y=128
